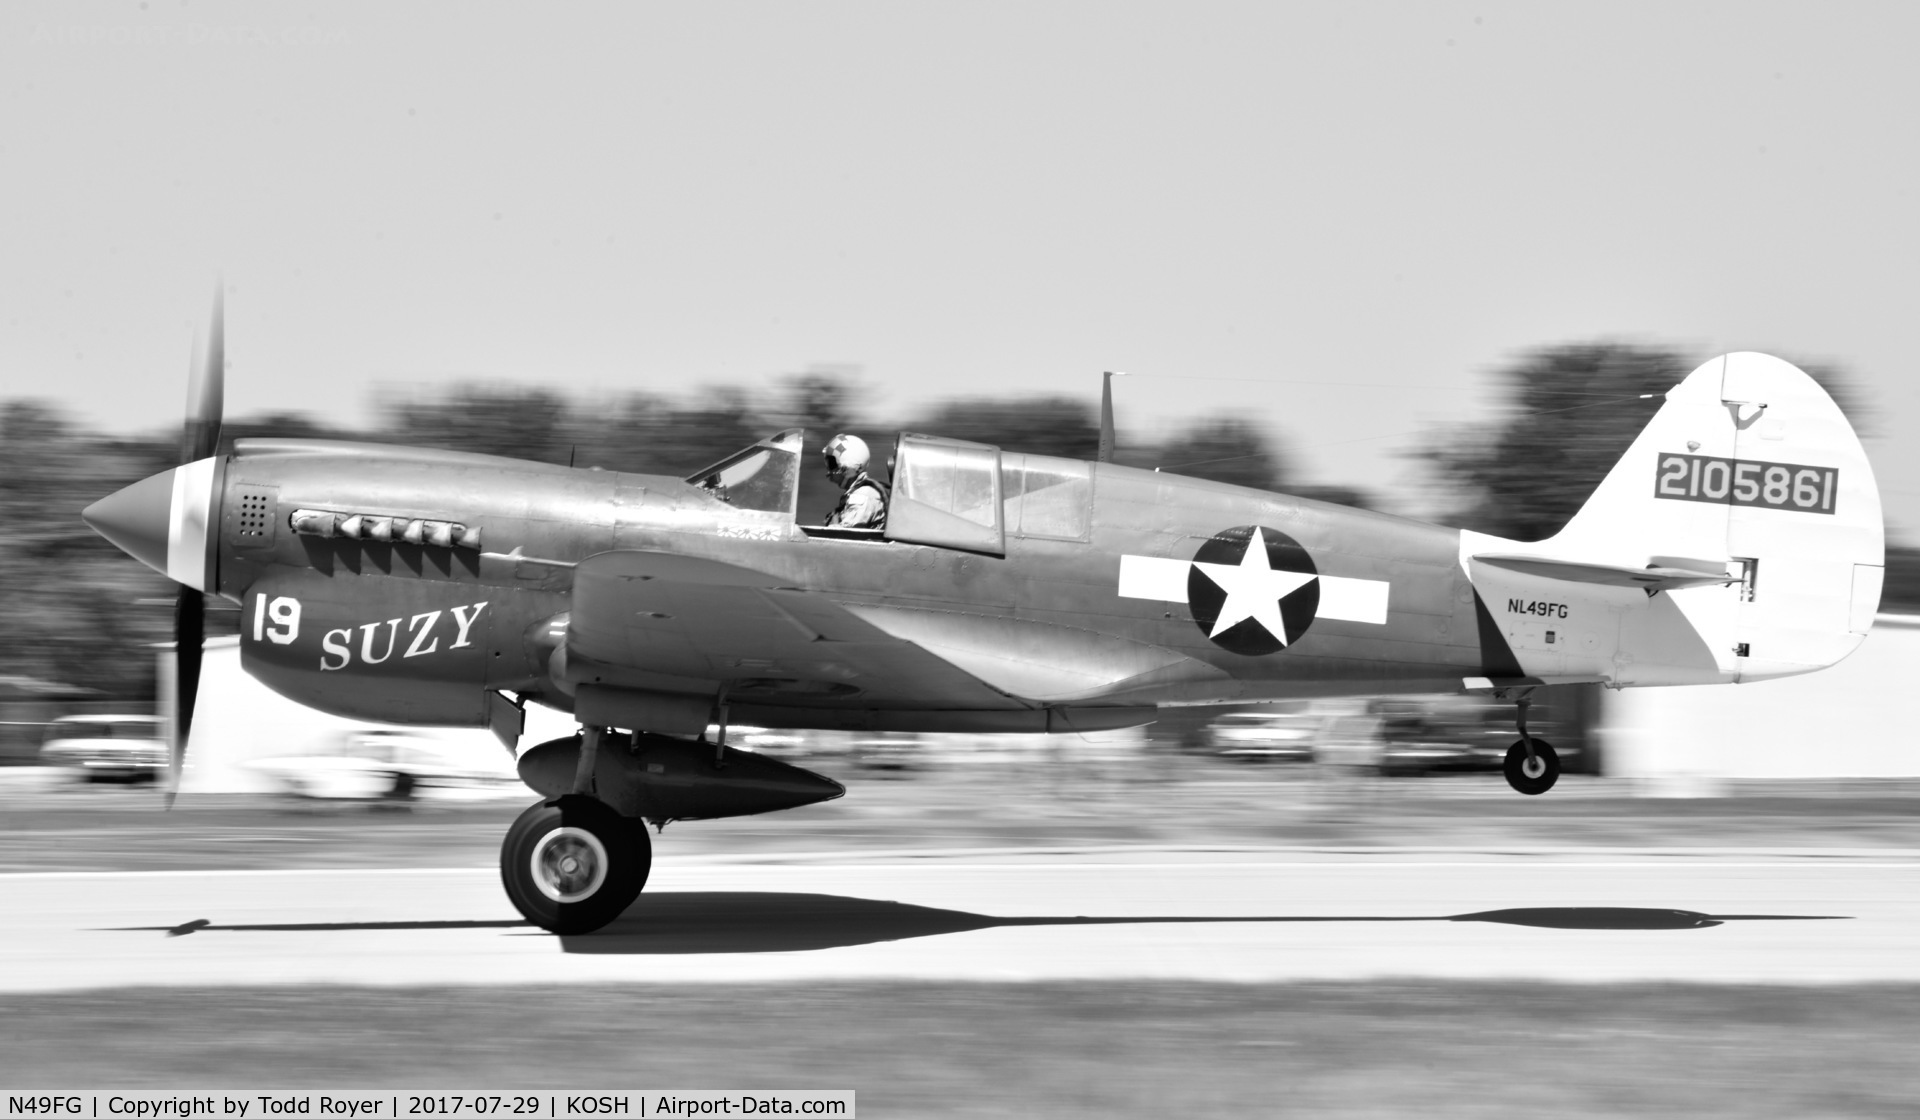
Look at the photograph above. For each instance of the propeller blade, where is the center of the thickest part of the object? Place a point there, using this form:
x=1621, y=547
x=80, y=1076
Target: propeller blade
x=199, y=438
x=189, y=640
x=206, y=388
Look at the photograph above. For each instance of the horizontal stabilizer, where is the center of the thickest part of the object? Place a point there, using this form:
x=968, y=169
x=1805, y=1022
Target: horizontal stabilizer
x=1651, y=578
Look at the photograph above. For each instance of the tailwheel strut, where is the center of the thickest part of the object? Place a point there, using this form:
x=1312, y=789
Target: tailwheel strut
x=1531, y=766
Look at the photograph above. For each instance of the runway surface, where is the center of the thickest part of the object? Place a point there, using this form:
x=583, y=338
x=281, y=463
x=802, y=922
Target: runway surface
x=1270, y=916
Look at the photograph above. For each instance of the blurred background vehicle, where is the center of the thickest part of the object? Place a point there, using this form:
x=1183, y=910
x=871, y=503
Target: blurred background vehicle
x=1402, y=736
x=128, y=748
x=1447, y=734
x=1272, y=733
x=387, y=764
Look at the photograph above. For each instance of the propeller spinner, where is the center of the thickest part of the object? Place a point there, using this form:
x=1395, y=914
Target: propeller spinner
x=166, y=522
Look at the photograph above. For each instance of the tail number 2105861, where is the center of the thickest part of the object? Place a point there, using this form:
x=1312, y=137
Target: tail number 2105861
x=1746, y=482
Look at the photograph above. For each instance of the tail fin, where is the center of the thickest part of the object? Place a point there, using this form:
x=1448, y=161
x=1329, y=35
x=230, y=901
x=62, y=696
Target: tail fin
x=1739, y=538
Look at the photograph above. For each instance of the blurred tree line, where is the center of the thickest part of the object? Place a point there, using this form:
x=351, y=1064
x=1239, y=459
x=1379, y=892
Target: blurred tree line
x=77, y=612
x=81, y=613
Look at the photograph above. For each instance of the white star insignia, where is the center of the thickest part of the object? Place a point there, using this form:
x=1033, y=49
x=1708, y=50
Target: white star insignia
x=1254, y=589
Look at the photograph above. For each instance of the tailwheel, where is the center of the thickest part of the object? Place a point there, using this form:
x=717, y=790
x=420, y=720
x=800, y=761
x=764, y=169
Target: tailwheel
x=1532, y=771
x=572, y=864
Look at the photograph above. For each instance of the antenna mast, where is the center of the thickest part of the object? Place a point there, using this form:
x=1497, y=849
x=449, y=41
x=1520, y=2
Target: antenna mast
x=1106, y=414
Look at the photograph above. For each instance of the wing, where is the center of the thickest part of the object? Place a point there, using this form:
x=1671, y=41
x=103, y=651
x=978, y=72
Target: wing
x=670, y=623
x=1042, y=661
x=663, y=622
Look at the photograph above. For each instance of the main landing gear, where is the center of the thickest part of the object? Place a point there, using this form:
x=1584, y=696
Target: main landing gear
x=571, y=864
x=578, y=859
x=1531, y=765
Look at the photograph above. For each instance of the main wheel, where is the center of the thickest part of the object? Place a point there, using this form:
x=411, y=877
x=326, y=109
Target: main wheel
x=571, y=865
x=1534, y=775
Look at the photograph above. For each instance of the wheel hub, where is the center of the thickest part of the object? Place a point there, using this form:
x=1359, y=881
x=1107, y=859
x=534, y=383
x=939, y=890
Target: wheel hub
x=569, y=864
x=1534, y=766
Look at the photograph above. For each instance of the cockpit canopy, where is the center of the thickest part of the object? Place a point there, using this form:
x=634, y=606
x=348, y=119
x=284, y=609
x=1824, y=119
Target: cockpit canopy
x=945, y=492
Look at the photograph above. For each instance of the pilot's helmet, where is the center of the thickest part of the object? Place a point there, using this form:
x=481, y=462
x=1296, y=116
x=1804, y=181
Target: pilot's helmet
x=845, y=455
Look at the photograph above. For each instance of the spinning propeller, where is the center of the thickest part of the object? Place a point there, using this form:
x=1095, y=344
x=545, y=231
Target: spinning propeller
x=166, y=521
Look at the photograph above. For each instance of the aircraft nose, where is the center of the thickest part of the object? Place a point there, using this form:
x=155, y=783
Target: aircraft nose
x=161, y=521
x=137, y=518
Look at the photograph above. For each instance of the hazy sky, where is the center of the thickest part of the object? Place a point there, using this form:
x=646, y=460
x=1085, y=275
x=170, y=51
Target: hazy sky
x=1345, y=214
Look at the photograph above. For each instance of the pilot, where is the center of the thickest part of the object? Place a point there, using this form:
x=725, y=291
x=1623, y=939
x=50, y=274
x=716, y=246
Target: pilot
x=863, y=501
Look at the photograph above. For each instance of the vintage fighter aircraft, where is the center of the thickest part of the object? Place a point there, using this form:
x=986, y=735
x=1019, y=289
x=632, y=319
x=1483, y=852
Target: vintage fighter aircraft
x=1738, y=539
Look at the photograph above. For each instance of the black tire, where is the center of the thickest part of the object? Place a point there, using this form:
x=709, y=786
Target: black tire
x=1546, y=769
x=572, y=864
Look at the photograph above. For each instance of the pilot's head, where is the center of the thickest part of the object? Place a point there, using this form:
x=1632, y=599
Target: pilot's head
x=846, y=457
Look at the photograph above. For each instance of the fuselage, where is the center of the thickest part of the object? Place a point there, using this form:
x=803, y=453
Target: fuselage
x=420, y=633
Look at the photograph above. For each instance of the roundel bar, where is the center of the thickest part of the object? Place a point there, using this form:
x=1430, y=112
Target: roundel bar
x=163, y=521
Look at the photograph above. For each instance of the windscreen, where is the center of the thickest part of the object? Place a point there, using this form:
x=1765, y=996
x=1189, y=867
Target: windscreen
x=763, y=477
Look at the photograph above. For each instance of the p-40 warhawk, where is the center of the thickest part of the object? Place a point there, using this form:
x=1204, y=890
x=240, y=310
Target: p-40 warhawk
x=1738, y=539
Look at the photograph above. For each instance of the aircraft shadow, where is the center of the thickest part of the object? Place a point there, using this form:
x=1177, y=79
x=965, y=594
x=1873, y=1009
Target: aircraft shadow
x=773, y=922
x=675, y=922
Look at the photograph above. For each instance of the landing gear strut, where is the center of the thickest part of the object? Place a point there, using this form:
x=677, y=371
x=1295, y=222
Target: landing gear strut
x=1531, y=765
x=572, y=864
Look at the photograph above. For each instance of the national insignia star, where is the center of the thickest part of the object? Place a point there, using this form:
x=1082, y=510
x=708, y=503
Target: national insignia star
x=1254, y=589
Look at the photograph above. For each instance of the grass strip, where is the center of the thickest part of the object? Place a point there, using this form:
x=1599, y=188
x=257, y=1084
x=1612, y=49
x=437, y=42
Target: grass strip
x=1049, y=1049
